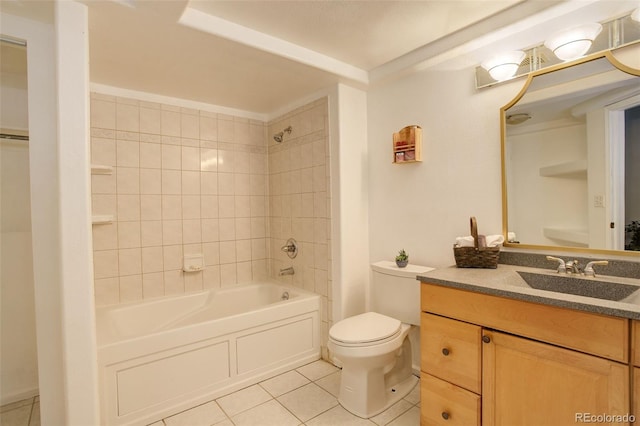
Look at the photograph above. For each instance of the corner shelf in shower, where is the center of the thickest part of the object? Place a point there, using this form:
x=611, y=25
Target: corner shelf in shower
x=101, y=219
x=99, y=169
x=571, y=169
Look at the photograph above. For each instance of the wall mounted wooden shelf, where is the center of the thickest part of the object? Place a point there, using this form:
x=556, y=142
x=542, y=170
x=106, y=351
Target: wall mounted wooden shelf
x=407, y=145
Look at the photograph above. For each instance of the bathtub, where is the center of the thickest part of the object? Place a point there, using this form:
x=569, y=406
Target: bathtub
x=157, y=358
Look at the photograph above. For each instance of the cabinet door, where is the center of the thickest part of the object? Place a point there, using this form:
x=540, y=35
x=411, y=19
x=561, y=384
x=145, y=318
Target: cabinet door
x=525, y=382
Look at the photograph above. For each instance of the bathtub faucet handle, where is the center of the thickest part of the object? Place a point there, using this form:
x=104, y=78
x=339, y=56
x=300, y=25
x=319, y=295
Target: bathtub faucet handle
x=291, y=248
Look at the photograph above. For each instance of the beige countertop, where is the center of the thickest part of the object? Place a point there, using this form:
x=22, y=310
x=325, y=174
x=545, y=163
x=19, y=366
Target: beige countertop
x=505, y=281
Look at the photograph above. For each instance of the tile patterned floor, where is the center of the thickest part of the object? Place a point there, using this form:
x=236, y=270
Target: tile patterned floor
x=304, y=396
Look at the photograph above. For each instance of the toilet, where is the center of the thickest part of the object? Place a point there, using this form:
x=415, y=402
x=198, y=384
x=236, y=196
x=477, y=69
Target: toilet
x=374, y=348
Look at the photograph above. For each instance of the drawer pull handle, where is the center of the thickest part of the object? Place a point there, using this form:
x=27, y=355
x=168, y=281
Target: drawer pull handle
x=445, y=415
x=486, y=339
x=445, y=351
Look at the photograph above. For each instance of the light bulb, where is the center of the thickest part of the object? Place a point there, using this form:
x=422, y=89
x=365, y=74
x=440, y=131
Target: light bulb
x=574, y=42
x=505, y=65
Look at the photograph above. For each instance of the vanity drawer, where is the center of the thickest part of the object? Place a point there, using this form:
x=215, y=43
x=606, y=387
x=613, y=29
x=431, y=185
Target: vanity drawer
x=451, y=350
x=442, y=403
x=595, y=334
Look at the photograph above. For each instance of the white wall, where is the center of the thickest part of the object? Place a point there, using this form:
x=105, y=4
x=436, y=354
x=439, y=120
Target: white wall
x=18, y=352
x=350, y=199
x=422, y=207
x=63, y=292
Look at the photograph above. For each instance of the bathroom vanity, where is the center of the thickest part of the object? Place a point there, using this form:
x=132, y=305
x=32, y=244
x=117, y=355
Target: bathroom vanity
x=496, y=352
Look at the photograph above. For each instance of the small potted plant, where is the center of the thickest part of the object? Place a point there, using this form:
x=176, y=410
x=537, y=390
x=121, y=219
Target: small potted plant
x=402, y=259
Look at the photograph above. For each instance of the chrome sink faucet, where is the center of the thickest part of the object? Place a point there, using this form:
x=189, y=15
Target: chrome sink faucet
x=573, y=266
x=562, y=267
x=589, y=271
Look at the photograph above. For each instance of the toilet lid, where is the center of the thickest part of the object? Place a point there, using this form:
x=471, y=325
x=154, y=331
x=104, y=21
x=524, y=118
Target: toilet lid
x=365, y=328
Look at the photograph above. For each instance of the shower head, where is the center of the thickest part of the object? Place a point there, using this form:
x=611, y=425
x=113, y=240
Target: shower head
x=279, y=137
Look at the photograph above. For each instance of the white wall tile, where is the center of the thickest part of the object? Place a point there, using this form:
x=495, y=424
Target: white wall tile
x=171, y=182
x=128, y=207
x=228, y=275
x=107, y=291
x=191, y=207
x=130, y=261
x=103, y=114
x=150, y=120
x=103, y=151
x=172, y=257
x=208, y=128
x=130, y=288
x=170, y=123
x=127, y=117
x=173, y=282
x=171, y=156
x=227, y=252
x=171, y=207
x=208, y=160
x=128, y=234
x=150, y=155
x=105, y=264
x=151, y=233
x=152, y=259
x=152, y=285
x=150, y=181
x=191, y=182
x=190, y=126
x=128, y=180
x=190, y=158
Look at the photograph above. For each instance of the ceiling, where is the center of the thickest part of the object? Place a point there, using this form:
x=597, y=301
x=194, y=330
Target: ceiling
x=262, y=56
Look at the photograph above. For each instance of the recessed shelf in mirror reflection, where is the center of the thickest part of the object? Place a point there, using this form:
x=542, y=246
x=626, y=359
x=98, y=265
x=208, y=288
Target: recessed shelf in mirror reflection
x=563, y=170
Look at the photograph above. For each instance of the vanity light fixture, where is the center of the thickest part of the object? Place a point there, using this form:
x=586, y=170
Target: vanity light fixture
x=515, y=119
x=574, y=42
x=565, y=45
x=504, y=66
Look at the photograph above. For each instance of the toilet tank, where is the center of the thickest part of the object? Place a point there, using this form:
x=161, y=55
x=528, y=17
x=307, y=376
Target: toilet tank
x=395, y=292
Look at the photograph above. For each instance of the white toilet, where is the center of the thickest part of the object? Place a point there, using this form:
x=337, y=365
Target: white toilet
x=374, y=347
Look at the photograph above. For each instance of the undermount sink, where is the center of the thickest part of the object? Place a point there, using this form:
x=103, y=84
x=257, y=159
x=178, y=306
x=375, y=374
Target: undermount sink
x=588, y=287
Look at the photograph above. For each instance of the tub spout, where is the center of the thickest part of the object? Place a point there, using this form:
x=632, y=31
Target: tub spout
x=287, y=271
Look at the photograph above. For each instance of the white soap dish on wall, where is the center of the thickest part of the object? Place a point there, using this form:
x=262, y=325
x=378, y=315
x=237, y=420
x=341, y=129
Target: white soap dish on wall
x=193, y=263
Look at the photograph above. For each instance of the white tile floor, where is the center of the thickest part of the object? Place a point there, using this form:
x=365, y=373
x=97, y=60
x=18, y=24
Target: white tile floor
x=304, y=396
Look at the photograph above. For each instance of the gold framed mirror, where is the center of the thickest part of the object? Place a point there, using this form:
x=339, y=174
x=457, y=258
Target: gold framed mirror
x=570, y=177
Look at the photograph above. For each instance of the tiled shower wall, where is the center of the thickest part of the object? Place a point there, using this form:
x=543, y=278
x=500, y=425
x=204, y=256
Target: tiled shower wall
x=299, y=201
x=184, y=181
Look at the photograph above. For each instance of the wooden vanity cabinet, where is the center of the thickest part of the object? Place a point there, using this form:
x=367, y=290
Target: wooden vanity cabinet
x=635, y=362
x=491, y=360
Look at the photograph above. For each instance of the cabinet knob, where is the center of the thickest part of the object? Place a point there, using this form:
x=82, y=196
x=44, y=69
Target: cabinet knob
x=486, y=339
x=445, y=351
x=445, y=415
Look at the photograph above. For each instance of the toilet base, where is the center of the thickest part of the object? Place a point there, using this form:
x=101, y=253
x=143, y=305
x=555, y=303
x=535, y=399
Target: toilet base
x=393, y=394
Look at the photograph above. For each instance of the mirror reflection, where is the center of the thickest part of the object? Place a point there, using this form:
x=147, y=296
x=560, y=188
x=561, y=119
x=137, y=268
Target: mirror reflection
x=571, y=145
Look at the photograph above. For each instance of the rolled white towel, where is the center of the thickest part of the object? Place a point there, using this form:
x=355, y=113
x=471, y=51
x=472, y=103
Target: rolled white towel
x=465, y=241
x=494, y=240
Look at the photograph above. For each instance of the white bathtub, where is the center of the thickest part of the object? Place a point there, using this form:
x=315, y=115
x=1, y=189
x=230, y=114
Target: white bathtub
x=160, y=357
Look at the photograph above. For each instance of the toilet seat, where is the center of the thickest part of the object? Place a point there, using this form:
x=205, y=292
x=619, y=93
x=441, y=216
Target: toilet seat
x=370, y=328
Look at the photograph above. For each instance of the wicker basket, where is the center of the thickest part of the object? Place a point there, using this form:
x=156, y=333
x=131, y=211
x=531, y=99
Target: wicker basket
x=476, y=257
